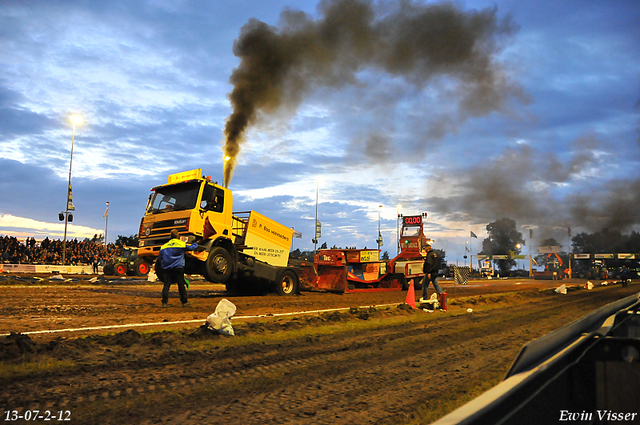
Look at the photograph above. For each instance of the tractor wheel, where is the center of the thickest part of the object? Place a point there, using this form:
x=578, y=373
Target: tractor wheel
x=108, y=270
x=287, y=283
x=120, y=269
x=218, y=266
x=141, y=267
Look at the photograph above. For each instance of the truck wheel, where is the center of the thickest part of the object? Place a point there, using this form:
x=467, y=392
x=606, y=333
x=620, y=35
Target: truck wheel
x=141, y=267
x=218, y=265
x=287, y=283
x=120, y=269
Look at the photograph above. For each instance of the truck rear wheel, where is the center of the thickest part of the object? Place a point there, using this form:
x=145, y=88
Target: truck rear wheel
x=287, y=283
x=218, y=265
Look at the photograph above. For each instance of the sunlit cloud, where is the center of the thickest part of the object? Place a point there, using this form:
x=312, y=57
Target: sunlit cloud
x=11, y=225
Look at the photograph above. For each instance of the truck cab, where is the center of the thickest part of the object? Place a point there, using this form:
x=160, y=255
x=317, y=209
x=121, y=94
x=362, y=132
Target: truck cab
x=186, y=202
x=232, y=247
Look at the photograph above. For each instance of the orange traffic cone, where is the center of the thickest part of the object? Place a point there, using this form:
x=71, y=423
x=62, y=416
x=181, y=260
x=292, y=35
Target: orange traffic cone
x=411, y=296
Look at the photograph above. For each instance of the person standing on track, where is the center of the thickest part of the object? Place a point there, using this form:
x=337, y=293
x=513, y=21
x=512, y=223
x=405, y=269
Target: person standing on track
x=430, y=269
x=171, y=262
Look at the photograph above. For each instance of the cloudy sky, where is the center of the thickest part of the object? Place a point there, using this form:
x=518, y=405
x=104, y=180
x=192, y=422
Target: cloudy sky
x=469, y=111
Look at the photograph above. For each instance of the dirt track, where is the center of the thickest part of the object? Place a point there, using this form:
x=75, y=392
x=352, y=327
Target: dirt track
x=358, y=366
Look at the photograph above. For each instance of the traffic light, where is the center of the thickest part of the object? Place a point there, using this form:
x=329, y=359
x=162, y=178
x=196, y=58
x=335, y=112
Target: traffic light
x=70, y=218
x=61, y=216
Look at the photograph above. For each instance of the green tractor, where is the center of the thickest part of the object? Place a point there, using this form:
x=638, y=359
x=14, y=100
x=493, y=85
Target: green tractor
x=127, y=264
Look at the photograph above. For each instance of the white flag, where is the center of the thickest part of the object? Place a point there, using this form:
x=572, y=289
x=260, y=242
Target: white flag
x=106, y=212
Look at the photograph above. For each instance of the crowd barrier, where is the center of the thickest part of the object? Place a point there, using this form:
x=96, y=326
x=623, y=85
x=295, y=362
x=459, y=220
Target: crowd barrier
x=46, y=268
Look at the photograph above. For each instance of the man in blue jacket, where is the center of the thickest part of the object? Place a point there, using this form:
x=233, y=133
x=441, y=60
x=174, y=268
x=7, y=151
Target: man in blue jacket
x=171, y=261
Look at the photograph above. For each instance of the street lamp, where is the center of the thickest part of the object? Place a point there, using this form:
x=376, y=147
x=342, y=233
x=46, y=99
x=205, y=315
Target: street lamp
x=518, y=247
x=75, y=120
x=379, y=234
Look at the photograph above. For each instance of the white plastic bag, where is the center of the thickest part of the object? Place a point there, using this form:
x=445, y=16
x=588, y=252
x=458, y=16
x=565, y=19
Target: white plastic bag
x=220, y=320
x=152, y=277
x=562, y=289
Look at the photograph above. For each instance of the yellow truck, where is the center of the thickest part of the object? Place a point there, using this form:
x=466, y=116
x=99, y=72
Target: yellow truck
x=239, y=249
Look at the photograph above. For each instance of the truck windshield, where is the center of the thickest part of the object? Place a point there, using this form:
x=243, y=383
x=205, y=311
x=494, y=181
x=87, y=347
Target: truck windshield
x=177, y=197
x=411, y=231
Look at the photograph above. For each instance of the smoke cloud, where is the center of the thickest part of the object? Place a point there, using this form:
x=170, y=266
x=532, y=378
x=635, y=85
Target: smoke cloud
x=281, y=65
x=531, y=187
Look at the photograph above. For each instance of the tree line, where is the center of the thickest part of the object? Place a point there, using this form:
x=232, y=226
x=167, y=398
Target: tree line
x=503, y=238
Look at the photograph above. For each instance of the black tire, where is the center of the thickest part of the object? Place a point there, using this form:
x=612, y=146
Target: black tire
x=107, y=270
x=287, y=283
x=218, y=267
x=141, y=267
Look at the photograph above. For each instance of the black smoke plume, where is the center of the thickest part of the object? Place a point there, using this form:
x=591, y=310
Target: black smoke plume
x=280, y=65
x=533, y=188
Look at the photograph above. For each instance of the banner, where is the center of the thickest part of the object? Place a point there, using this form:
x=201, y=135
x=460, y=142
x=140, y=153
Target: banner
x=500, y=257
x=549, y=249
x=581, y=256
x=626, y=256
x=603, y=256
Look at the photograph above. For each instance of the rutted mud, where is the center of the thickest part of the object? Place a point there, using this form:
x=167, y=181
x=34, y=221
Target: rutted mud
x=359, y=365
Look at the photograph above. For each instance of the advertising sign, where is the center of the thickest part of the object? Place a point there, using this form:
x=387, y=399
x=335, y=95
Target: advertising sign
x=366, y=256
x=549, y=249
x=270, y=241
x=184, y=176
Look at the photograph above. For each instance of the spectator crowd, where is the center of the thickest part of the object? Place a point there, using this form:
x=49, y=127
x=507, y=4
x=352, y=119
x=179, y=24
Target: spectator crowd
x=87, y=252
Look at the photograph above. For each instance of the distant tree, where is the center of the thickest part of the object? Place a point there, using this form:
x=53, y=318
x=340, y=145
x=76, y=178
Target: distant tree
x=295, y=253
x=608, y=242
x=323, y=246
x=301, y=255
x=127, y=240
x=385, y=255
x=503, y=238
x=602, y=242
x=442, y=254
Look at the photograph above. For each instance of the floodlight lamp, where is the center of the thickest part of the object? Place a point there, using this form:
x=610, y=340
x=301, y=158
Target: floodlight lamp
x=76, y=119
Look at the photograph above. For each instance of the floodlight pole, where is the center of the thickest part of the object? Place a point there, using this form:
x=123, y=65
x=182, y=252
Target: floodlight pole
x=66, y=213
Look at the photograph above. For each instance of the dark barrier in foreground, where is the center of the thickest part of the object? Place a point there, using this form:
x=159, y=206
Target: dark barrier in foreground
x=587, y=372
